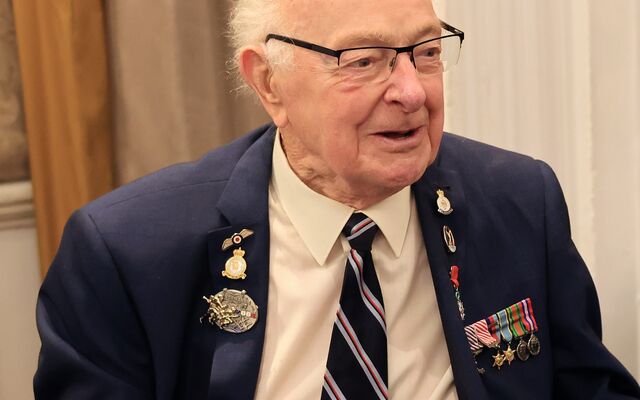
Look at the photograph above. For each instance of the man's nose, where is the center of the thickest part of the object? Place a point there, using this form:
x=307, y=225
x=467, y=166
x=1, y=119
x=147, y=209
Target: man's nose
x=404, y=86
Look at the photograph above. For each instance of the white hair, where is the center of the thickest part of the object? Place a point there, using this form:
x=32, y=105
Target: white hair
x=250, y=22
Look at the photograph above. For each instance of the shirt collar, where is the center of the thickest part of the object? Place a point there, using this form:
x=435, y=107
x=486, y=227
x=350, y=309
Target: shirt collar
x=319, y=219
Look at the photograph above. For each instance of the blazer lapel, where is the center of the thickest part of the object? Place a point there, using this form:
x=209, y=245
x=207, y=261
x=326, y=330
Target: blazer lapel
x=236, y=358
x=466, y=376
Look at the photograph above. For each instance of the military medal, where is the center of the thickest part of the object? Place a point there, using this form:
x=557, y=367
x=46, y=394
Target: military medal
x=449, y=240
x=512, y=323
x=504, y=323
x=509, y=354
x=472, y=338
x=443, y=203
x=474, y=345
x=498, y=359
x=453, y=276
x=484, y=336
x=236, y=265
x=522, y=351
x=231, y=310
x=533, y=345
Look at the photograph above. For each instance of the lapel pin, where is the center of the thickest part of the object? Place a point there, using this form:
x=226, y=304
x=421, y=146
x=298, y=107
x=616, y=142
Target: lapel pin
x=453, y=277
x=236, y=239
x=449, y=240
x=443, y=203
x=231, y=310
x=236, y=265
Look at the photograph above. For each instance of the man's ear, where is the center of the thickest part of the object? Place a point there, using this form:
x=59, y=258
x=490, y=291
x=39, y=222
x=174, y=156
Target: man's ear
x=256, y=72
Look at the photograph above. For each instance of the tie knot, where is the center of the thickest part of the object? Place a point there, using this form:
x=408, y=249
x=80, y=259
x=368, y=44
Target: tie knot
x=360, y=231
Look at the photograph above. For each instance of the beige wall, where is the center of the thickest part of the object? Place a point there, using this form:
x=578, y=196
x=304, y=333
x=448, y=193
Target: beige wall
x=19, y=282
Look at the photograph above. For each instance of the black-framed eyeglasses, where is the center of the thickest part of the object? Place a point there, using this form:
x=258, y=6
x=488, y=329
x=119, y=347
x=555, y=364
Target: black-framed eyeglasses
x=376, y=63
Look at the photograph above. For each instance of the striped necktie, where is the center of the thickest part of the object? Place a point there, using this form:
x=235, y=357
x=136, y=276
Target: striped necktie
x=357, y=362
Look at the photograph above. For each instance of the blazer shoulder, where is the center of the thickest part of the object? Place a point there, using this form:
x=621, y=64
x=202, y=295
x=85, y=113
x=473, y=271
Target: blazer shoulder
x=490, y=166
x=212, y=170
x=461, y=151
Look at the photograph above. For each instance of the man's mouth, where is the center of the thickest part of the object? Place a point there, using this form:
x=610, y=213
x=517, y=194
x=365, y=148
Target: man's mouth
x=398, y=134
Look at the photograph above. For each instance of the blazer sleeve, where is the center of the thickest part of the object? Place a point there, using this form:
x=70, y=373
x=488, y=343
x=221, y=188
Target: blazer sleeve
x=93, y=344
x=583, y=367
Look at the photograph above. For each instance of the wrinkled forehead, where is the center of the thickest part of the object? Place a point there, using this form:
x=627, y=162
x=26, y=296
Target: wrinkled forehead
x=345, y=23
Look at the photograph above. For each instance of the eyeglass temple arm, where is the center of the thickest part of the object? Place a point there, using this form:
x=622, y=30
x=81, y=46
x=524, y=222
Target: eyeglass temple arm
x=453, y=29
x=303, y=44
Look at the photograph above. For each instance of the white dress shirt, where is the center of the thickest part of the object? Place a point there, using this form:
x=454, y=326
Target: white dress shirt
x=307, y=262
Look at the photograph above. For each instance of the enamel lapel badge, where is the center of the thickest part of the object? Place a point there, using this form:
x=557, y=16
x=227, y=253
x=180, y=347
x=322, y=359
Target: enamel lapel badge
x=236, y=265
x=443, y=203
x=231, y=310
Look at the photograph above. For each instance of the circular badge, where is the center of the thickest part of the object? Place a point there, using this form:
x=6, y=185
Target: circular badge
x=232, y=310
x=235, y=266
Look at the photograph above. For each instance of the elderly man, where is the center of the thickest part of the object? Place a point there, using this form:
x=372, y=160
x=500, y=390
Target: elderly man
x=348, y=251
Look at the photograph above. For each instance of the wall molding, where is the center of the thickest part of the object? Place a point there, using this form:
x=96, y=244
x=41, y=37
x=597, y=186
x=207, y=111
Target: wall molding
x=16, y=205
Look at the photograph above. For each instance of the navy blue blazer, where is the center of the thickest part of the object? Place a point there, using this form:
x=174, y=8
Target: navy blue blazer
x=119, y=310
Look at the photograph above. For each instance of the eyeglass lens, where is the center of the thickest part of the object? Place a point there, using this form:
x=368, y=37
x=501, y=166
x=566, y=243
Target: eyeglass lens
x=376, y=64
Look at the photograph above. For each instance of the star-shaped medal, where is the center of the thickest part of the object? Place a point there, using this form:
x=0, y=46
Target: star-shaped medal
x=498, y=360
x=509, y=354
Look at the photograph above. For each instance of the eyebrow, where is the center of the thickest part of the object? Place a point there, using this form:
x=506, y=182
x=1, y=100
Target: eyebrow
x=376, y=38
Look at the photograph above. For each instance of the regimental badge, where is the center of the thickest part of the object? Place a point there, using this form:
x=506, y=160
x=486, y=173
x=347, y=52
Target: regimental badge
x=236, y=239
x=236, y=265
x=231, y=310
x=449, y=240
x=443, y=203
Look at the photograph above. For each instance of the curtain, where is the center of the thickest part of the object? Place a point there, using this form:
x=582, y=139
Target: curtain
x=14, y=163
x=173, y=97
x=62, y=50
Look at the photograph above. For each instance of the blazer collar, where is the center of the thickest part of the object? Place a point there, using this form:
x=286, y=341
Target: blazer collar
x=466, y=377
x=244, y=203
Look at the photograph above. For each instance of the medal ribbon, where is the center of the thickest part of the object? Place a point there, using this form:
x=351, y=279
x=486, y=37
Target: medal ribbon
x=472, y=338
x=528, y=314
x=515, y=322
x=493, y=328
x=483, y=335
x=511, y=323
x=503, y=322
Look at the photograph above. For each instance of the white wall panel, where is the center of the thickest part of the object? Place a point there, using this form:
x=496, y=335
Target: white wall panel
x=19, y=282
x=560, y=81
